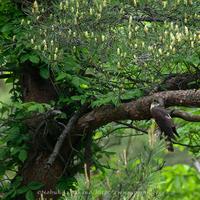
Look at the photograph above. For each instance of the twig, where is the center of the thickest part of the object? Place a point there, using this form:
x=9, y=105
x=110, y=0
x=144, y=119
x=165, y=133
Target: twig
x=147, y=19
x=133, y=127
x=6, y=70
x=64, y=134
x=2, y=76
x=186, y=145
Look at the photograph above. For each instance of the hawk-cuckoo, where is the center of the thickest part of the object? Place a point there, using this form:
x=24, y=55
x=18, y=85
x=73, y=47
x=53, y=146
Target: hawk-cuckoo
x=164, y=121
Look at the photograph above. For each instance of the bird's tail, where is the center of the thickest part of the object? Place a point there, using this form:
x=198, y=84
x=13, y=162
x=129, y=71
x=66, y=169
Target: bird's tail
x=169, y=144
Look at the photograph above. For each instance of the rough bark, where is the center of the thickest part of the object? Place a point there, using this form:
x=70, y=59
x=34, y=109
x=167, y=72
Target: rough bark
x=182, y=81
x=35, y=88
x=186, y=116
x=136, y=110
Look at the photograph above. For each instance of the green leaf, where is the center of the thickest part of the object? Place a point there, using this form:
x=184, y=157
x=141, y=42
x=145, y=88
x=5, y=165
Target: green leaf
x=10, y=193
x=106, y=99
x=14, y=150
x=115, y=101
x=34, y=59
x=66, y=183
x=24, y=58
x=44, y=72
x=70, y=64
x=4, y=153
x=7, y=28
x=36, y=107
x=2, y=169
x=22, y=190
x=98, y=134
x=77, y=81
x=9, y=80
x=132, y=94
x=35, y=185
x=29, y=195
x=84, y=86
x=22, y=155
x=61, y=76
x=13, y=134
x=76, y=98
x=194, y=60
x=83, y=100
x=17, y=181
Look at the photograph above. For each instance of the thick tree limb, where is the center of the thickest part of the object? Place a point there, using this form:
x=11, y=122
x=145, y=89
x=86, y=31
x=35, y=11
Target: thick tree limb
x=135, y=110
x=182, y=81
x=186, y=116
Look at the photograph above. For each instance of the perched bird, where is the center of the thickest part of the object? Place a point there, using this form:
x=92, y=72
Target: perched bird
x=164, y=121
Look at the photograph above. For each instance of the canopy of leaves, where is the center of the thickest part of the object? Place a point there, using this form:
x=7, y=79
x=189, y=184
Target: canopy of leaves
x=110, y=50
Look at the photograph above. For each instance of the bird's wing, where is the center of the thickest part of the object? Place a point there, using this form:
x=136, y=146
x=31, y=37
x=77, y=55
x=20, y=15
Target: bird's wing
x=164, y=121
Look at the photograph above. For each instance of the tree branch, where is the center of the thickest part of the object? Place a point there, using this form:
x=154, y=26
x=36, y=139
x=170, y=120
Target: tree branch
x=135, y=110
x=186, y=145
x=133, y=127
x=63, y=135
x=2, y=76
x=144, y=18
x=2, y=69
x=182, y=81
x=186, y=116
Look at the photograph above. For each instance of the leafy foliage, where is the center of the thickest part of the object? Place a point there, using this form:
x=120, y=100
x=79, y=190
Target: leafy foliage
x=180, y=181
x=105, y=52
x=125, y=178
x=93, y=49
x=14, y=144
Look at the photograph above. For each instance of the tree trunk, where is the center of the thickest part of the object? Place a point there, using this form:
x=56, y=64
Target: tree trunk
x=37, y=89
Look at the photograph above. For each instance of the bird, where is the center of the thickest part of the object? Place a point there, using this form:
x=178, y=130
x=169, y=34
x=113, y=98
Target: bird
x=164, y=122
